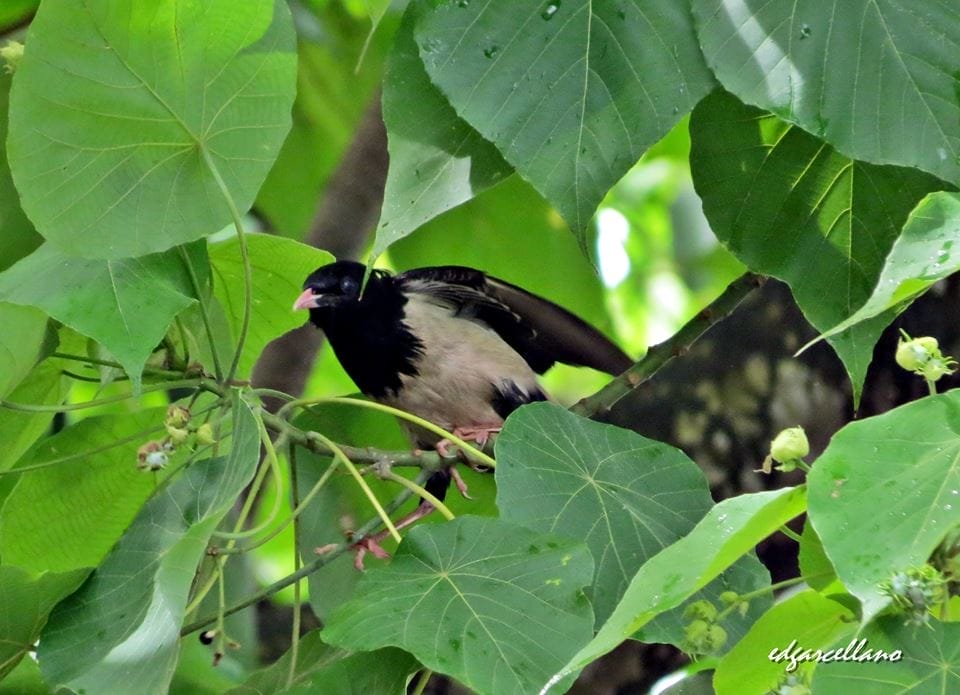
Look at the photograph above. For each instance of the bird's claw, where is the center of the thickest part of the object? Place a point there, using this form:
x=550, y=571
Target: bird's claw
x=459, y=482
x=371, y=545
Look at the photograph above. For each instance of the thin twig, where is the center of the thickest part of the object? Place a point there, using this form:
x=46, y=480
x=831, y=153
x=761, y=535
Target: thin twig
x=600, y=403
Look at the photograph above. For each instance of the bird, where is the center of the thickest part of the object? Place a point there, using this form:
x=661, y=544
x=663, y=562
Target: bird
x=451, y=344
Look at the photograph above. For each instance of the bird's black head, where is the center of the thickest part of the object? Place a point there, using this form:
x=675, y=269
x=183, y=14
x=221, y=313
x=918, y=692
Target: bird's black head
x=333, y=288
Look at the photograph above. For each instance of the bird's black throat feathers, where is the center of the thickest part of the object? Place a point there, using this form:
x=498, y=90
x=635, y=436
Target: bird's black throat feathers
x=367, y=333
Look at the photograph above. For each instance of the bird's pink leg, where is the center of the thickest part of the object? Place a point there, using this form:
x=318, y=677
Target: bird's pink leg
x=480, y=435
x=371, y=544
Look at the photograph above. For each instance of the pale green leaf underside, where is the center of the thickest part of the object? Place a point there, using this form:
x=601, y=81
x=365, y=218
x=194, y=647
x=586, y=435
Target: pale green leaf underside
x=812, y=620
x=20, y=339
x=492, y=604
x=900, y=470
x=875, y=78
x=731, y=529
x=571, y=93
x=922, y=255
x=116, y=104
x=123, y=625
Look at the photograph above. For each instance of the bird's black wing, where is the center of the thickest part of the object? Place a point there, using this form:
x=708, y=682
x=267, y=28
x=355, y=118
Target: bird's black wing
x=539, y=330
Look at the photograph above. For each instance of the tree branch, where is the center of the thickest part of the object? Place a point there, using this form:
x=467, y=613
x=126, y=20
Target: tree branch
x=599, y=404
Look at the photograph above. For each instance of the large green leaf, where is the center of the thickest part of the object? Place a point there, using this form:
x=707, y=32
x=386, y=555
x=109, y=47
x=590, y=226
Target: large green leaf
x=788, y=205
x=897, y=476
x=437, y=161
x=730, y=530
x=929, y=663
x=70, y=514
x=570, y=93
x=125, y=305
x=495, y=605
x=123, y=625
x=16, y=10
x=19, y=236
x=25, y=679
x=27, y=600
x=875, y=78
x=324, y=669
x=921, y=255
x=279, y=267
x=45, y=385
x=124, y=117
x=24, y=329
x=813, y=621
x=627, y=497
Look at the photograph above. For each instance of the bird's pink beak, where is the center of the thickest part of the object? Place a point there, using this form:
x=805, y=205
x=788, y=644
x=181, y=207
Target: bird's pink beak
x=306, y=300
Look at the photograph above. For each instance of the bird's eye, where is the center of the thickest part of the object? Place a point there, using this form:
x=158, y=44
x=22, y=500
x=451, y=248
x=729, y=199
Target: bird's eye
x=348, y=286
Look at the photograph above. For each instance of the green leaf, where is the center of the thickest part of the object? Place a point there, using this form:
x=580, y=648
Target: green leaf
x=70, y=514
x=19, y=236
x=570, y=93
x=19, y=430
x=25, y=679
x=123, y=625
x=16, y=10
x=813, y=621
x=331, y=671
x=492, y=604
x=124, y=305
x=437, y=161
x=730, y=529
x=24, y=329
x=815, y=566
x=921, y=255
x=627, y=497
x=27, y=600
x=897, y=476
x=788, y=205
x=123, y=118
x=279, y=267
x=930, y=661
x=875, y=78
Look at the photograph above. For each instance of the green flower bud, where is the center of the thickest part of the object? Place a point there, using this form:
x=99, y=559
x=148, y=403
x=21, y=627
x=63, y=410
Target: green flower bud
x=177, y=435
x=729, y=597
x=177, y=416
x=715, y=639
x=205, y=434
x=791, y=444
x=12, y=54
x=701, y=610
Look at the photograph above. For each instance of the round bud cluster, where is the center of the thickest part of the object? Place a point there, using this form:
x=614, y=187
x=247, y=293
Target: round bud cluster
x=923, y=356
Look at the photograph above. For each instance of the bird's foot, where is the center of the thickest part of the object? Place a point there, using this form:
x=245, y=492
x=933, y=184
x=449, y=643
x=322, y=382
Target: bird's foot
x=370, y=544
x=478, y=435
x=459, y=482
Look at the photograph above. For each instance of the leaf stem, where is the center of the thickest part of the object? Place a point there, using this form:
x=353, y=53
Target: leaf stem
x=244, y=257
x=601, y=402
x=297, y=610
x=469, y=449
x=790, y=533
x=763, y=591
x=425, y=676
x=164, y=386
x=107, y=363
x=310, y=567
x=388, y=474
x=348, y=464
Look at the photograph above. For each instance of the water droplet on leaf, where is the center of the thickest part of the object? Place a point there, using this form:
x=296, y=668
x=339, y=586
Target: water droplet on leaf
x=550, y=10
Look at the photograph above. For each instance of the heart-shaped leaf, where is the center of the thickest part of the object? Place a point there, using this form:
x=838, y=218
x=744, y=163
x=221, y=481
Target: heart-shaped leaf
x=875, y=78
x=493, y=604
x=570, y=93
x=900, y=472
x=131, y=124
x=627, y=497
x=788, y=205
x=437, y=161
